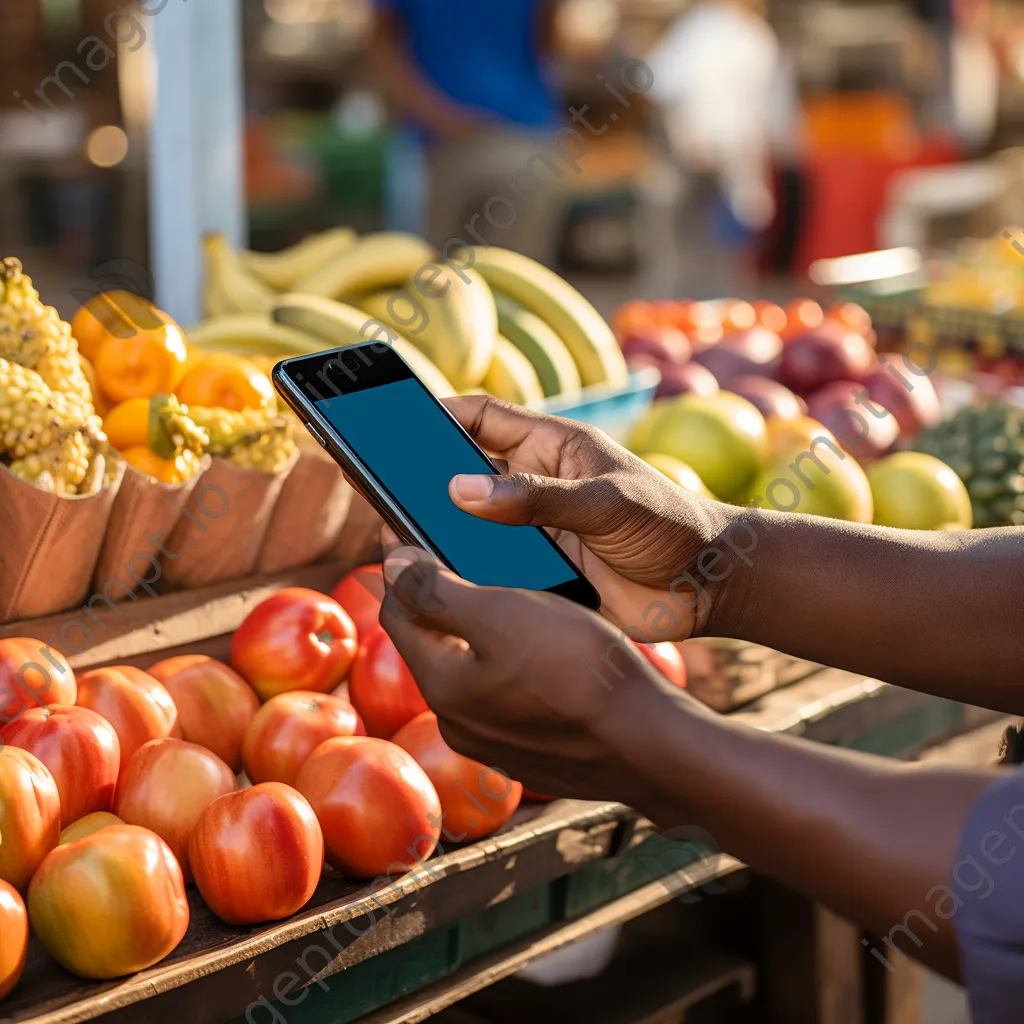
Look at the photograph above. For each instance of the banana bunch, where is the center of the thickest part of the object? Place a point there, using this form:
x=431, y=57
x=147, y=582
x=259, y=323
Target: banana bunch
x=49, y=431
x=489, y=320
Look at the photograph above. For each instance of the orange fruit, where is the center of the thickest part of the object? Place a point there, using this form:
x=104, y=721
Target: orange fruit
x=127, y=424
x=143, y=364
x=802, y=315
x=771, y=316
x=738, y=316
x=223, y=381
x=857, y=318
x=145, y=460
x=117, y=314
x=631, y=315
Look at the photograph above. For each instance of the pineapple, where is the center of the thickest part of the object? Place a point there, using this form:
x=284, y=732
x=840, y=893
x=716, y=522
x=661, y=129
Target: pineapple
x=250, y=437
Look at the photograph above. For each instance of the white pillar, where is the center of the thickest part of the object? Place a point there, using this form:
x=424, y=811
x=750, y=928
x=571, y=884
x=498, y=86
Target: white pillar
x=196, y=122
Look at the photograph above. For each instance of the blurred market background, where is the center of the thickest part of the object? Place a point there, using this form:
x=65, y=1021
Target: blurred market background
x=773, y=136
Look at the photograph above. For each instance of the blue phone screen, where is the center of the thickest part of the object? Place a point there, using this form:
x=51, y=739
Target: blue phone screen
x=413, y=450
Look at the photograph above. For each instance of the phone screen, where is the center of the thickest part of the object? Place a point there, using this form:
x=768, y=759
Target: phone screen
x=413, y=450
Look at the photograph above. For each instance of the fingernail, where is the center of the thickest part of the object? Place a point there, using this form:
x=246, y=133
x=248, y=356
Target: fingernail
x=473, y=488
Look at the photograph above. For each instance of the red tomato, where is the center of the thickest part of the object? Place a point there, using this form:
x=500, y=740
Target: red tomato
x=87, y=825
x=163, y=670
x=375, y=804
x=81, y=751
x=360, y=593
x=110, y=904
x=166, y=786
x=297, y=639
x=257, y=854
x=382, y=688
x=133, y=702
x=667, y=659
x=215, y=706
x=29, y=815
x=32, y=675
x=13, y=937
x=289, y=727
x=475, y=800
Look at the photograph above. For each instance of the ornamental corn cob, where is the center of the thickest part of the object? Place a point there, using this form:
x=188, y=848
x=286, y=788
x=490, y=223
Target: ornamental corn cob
x=250, y=437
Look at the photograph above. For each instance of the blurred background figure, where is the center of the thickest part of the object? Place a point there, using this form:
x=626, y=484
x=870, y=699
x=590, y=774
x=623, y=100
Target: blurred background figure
x=472, y=86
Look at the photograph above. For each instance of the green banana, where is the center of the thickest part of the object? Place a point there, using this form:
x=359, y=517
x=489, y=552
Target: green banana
x=546, y=351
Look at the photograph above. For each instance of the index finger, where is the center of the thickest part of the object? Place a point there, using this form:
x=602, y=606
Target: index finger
x=500, y=426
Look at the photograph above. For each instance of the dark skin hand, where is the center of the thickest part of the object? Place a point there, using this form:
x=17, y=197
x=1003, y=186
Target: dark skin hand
x=510, y=676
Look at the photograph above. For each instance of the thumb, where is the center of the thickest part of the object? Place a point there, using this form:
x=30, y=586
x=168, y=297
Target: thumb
x=524, y=499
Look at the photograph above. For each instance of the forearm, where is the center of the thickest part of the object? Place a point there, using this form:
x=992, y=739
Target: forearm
x=868, y=837
x=936, y=611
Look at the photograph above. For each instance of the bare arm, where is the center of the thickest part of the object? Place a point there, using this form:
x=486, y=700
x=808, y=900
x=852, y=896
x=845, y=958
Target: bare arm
x=941, y=612
x=408, y=90
x=868, y=837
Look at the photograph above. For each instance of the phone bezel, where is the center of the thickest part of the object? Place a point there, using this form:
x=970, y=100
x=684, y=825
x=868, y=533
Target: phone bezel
x=284, y=374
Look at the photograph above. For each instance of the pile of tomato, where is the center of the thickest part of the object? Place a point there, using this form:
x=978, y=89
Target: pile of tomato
x=120, y=787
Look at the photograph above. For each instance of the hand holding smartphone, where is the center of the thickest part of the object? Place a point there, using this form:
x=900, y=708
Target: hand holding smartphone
x=400, y=445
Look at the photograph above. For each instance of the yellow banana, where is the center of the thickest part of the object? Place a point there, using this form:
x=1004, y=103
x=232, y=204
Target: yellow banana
x=281, y=270
x=229, y=287
x=381, y=260
x=247, y=334
x=337, y=325
x=559, y=305
x=511, y=376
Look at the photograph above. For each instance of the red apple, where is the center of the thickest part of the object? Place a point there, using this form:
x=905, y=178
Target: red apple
x=754, y=352
x=81, y=750
x=686, y=379
x=666, y=344
x=909, y=396
x=829, y=353
x=863, y=429
x=769, y=397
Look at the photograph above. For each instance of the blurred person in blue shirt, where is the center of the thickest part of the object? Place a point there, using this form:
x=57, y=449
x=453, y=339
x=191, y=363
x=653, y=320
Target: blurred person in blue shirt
x=470, y=81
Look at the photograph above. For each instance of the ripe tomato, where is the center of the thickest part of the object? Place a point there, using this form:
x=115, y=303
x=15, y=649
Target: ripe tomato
x=110, y=904
x=667, y=659
x=166, y=786
x=382, y=688
x=375, y=804
x=87, y=825
x=475, y=800
x=29, y=815
x=257, y=854
x=289, y=727
x=297, y=639
x=215, y=707
x=133, y=702
x=81, y=751
x=163, y=670
x=13, y=937
x=360, y=593
x=32, y=675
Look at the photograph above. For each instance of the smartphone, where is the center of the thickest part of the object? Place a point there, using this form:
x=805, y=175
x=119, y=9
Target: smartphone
x=401, y=447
